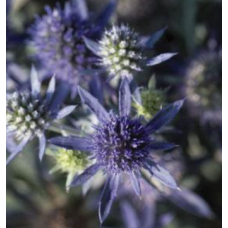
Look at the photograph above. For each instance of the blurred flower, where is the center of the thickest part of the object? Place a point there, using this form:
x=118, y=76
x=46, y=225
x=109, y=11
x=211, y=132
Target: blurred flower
x=121, y=145
x=29, y=114
x=148, y=101
x=203, y=87
x=58, y=39
x=123, y=53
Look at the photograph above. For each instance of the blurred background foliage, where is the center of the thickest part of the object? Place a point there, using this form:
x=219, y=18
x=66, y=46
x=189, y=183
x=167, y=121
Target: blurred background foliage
x=36, y=198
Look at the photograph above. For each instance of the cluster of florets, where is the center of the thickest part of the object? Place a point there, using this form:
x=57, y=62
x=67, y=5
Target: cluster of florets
x=58, y=42
x=69, y=161
x=26, y=115
x=151, y=102
x=120, y=52
x=203, y=87
x=121, y=144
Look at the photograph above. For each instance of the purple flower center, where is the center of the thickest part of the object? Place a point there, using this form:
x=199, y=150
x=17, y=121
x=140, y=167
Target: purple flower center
x=121, y=144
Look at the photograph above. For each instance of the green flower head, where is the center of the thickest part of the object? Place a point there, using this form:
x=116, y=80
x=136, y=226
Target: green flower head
x=149, y=101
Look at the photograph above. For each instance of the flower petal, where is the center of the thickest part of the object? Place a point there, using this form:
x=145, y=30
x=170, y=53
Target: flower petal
x=164, y=116
x=93, y=104
x=72, y=143
x=135, y=184
x=85, y=176
x=160, y=58
x=17, y=150
x=92, y=45
x=65, y=111
x=42, y=146
x=107, y=197
x=162, y=146
x=35, y=83
x=124, y=98
x=161, y=174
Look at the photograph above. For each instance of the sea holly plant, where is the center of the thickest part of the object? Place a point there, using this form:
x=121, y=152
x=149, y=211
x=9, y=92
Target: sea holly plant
x=121, y=146
x=30, y=113
x=57, y=39
x=148, y=101
x=122, y=52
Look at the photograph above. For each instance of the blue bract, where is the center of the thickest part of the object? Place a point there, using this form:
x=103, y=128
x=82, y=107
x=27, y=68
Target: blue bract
x=121, y=145
x=29, y=114
x=58, y=39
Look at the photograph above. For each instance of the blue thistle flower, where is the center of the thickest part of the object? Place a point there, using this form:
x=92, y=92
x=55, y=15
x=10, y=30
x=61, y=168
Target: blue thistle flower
x=58, y=39
x=30, y=113
x=123, y=53
x=121, y=145
x=203, y=87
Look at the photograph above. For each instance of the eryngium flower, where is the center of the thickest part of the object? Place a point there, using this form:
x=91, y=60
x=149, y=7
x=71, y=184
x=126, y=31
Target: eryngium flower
x=123, y=53
x=148, y=101
x=58, y=39
x=29, y=114
x=120, y=51
x=121, y=145
x=203, y=87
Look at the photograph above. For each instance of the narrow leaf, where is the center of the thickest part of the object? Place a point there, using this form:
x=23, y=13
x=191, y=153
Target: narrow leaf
x=107, y=197
x=191, y=202
x=162, y=146
x=149, y=42
x=106, y=13
x=35, y=83
x=85, y=176
x=124, y=98
x=130, y=216
x=92, y=45
x=161, y=174
x=51, y=89
x=160, y=58
x=135, y=184
x=42, y=146
x=17, y=150
x=65, y=111
x=72, y=143
x=93, y=104
x=164, y=116
x=81, y=7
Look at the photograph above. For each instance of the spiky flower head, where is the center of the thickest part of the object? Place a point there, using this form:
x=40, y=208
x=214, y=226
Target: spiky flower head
x=57, y=38
x=123, y=52
x=120, y=52
x=121, y=145
x=148, y=101
x=69, y=161
x=203, y=87
x=30, y=112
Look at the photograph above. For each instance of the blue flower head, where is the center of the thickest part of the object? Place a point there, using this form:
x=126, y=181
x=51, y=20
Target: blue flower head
x=30, y=113
x=57, y=38
x=121, y=145
x=123, y=52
